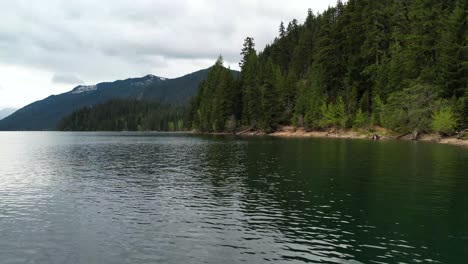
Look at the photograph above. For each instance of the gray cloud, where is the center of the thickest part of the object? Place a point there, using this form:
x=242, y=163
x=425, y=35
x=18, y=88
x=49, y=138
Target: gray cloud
x=103, y=40
x=66, y=78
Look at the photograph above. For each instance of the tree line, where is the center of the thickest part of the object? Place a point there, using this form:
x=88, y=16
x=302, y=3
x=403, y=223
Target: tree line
x=396, y=64
x=126, y=115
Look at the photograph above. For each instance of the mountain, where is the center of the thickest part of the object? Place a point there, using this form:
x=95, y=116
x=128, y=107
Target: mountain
x=46, y=114
x=6, y=112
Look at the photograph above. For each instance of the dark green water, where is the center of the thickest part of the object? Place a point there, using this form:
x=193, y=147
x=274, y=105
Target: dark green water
x=155, y=198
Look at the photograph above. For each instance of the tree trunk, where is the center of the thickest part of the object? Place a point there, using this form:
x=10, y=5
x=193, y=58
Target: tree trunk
x=244, y=131
x=403, y=135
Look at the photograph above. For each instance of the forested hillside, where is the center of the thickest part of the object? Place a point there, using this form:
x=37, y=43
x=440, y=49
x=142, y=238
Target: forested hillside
x=125, y=115
x=397, y=64
x=47, y=113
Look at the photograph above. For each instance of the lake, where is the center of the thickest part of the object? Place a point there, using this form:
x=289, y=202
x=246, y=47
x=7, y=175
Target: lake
x=174, y=198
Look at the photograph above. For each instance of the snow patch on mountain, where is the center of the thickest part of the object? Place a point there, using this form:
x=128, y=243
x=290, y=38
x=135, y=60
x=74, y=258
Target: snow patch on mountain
x=154, y=77
x=148, y=79
x=84, y=89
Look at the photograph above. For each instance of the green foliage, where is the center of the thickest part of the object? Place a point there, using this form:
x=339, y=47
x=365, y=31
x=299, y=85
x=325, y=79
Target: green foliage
x=463, y=112
x=328, y=115
x=443, y=121
x=359, y=120
x=333, y=115
x=269, y=99
x=378, y=110
x=171, y=126
x=180, y=125
x=313, y=110
x=340, y=113
x=410, y=109
x=125, y=115
x=389, y=60
x=250, y=92
x=392, y=60
x=216, y=100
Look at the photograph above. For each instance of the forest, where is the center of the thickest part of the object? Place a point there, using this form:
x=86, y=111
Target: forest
x=125, y=115
x=400, y=65
x=396, y=64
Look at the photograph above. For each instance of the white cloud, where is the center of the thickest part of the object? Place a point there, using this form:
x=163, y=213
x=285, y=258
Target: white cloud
x=22, y=85
x=115, y=39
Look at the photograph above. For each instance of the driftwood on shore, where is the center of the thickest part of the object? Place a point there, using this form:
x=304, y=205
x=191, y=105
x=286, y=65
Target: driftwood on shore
x=414, y=135
x=461, y=134
x=244, y=131
x=403, y=135
x=457, y=139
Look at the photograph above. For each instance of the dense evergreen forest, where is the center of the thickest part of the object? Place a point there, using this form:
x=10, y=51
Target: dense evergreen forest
x=125, y=115
x=396, y=64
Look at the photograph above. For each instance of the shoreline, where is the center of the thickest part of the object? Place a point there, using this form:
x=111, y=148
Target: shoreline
x=300, y=132
x=292, y=132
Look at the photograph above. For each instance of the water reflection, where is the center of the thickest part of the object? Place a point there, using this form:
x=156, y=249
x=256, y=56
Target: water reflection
x=139, y=198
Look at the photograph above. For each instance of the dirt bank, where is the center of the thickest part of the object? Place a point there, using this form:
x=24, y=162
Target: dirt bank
x=289, y=131
x=381, y=133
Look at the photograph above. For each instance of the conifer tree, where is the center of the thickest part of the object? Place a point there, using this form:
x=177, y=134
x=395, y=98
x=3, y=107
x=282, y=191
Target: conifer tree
x=387, y=60
x=269, y=98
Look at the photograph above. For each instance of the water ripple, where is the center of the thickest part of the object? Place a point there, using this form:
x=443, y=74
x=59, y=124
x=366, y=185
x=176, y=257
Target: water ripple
x=152, y=198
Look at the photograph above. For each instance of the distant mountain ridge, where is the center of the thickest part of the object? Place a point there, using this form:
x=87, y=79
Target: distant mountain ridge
x=47, y=113
x=6, y=112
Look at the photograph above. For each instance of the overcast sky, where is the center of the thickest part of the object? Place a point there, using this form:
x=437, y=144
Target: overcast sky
x=48, y=47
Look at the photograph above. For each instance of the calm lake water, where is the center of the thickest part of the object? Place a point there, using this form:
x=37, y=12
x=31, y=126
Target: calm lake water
x=159, y=198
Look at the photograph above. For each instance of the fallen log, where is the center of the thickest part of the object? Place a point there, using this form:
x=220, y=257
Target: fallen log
x=403, y=135
x=244, y=131
x=461, y=134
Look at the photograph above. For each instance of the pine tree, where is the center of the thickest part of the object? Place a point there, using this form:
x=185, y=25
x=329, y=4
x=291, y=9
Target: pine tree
x=269, y=98
x=247, y=49
x=282, y=30
x=313, y=113
x=453, y=44
x=388, y=60
x=250, y=92
x=340, y=113
x=359, y=120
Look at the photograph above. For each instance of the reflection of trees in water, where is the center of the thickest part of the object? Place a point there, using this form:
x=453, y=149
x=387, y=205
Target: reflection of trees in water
x=342, y=195
x=270, y=180
x=317, y=196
